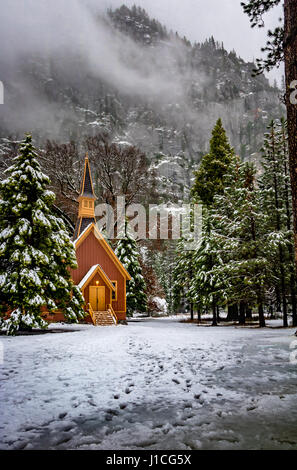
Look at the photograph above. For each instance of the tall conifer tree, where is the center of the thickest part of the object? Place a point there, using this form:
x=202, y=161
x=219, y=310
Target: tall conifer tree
x=209, y=179
x=243, y=247
x=35, y=249
x=128, y=254
x=275, y=195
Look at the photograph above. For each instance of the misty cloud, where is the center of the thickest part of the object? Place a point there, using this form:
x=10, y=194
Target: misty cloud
x=54, y=29
x=56, y=55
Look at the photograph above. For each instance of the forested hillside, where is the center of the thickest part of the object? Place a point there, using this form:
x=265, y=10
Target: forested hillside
x=152, y=88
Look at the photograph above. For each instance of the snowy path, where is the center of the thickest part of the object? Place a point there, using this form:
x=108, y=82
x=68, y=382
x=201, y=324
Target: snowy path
x=155, y=384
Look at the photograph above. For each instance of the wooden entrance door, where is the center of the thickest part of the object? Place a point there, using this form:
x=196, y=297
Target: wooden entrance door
x=97, y=298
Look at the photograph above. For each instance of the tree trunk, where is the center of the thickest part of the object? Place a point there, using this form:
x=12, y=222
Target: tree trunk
x=262, y=323
x=232, y=313
x=214, y=315
x=293, y=299
x=290, y=53
x=199, y=315
x=249, y=313
x=283, y=288
x=242, y=308
x=278, y=300
x=218, y=314
x=192, y=311
x=290, y=247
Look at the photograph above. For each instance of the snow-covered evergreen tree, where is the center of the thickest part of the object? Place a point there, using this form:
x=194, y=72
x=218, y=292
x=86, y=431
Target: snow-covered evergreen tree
x=209, y=179
x=182, y=276
x=128, y=254
x=243, y=244
x=204, y=290
x=183, y=269
x=35, y=249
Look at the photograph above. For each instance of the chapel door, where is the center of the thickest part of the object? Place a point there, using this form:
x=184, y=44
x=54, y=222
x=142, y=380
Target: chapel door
x=97, y=298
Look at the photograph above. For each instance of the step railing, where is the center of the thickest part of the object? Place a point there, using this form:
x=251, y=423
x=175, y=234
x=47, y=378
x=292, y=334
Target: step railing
x=111, y=310
x=92, y=314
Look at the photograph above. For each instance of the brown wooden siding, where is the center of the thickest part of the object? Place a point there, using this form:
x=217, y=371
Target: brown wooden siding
x=91, y=252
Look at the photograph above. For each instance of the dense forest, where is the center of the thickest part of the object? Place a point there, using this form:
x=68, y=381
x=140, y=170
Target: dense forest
x=244, y=263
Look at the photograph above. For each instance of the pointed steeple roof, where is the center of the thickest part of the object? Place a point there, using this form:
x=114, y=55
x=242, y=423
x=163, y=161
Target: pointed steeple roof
x=86, y=199
x=87, y=189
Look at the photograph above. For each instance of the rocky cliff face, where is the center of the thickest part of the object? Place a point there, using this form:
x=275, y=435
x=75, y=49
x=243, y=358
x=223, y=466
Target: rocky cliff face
x=152, y=88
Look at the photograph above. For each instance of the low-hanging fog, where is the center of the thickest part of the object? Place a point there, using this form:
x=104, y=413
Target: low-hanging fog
x=56, y=57
x=69, y=30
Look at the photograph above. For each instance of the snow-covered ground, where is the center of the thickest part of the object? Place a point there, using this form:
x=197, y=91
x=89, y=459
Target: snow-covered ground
x=154, y=384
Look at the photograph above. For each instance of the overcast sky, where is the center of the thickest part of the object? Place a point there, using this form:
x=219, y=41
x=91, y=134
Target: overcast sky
x=199, y=19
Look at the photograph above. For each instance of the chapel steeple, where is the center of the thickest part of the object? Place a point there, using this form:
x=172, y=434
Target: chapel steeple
x=86, y=200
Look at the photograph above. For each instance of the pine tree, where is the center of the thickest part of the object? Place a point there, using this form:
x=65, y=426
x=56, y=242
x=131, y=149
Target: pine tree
x=243, y=244
x=210, y=182
x=182, y=276
x=204, y=285
x=164, y=262
x=281, y=46
x=35, y=249
x=128, y=254
x=209, y=179
x=275, y=194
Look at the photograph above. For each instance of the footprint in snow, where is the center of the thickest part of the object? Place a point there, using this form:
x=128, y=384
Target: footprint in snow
x=63, y=440
x=67, y=429
x=112, y=412
x=251, y=408
x=188, y=405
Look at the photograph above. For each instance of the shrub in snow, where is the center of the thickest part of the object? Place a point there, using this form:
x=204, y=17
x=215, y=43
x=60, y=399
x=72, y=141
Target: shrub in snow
x=162, y=306
x=35, y=249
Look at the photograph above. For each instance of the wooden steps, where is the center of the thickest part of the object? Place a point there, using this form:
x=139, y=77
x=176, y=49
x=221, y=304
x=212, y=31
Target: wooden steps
x=104, y=318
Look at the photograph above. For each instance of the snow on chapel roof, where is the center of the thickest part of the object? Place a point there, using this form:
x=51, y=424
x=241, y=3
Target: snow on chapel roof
x=82, y=233
x=92, y=272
